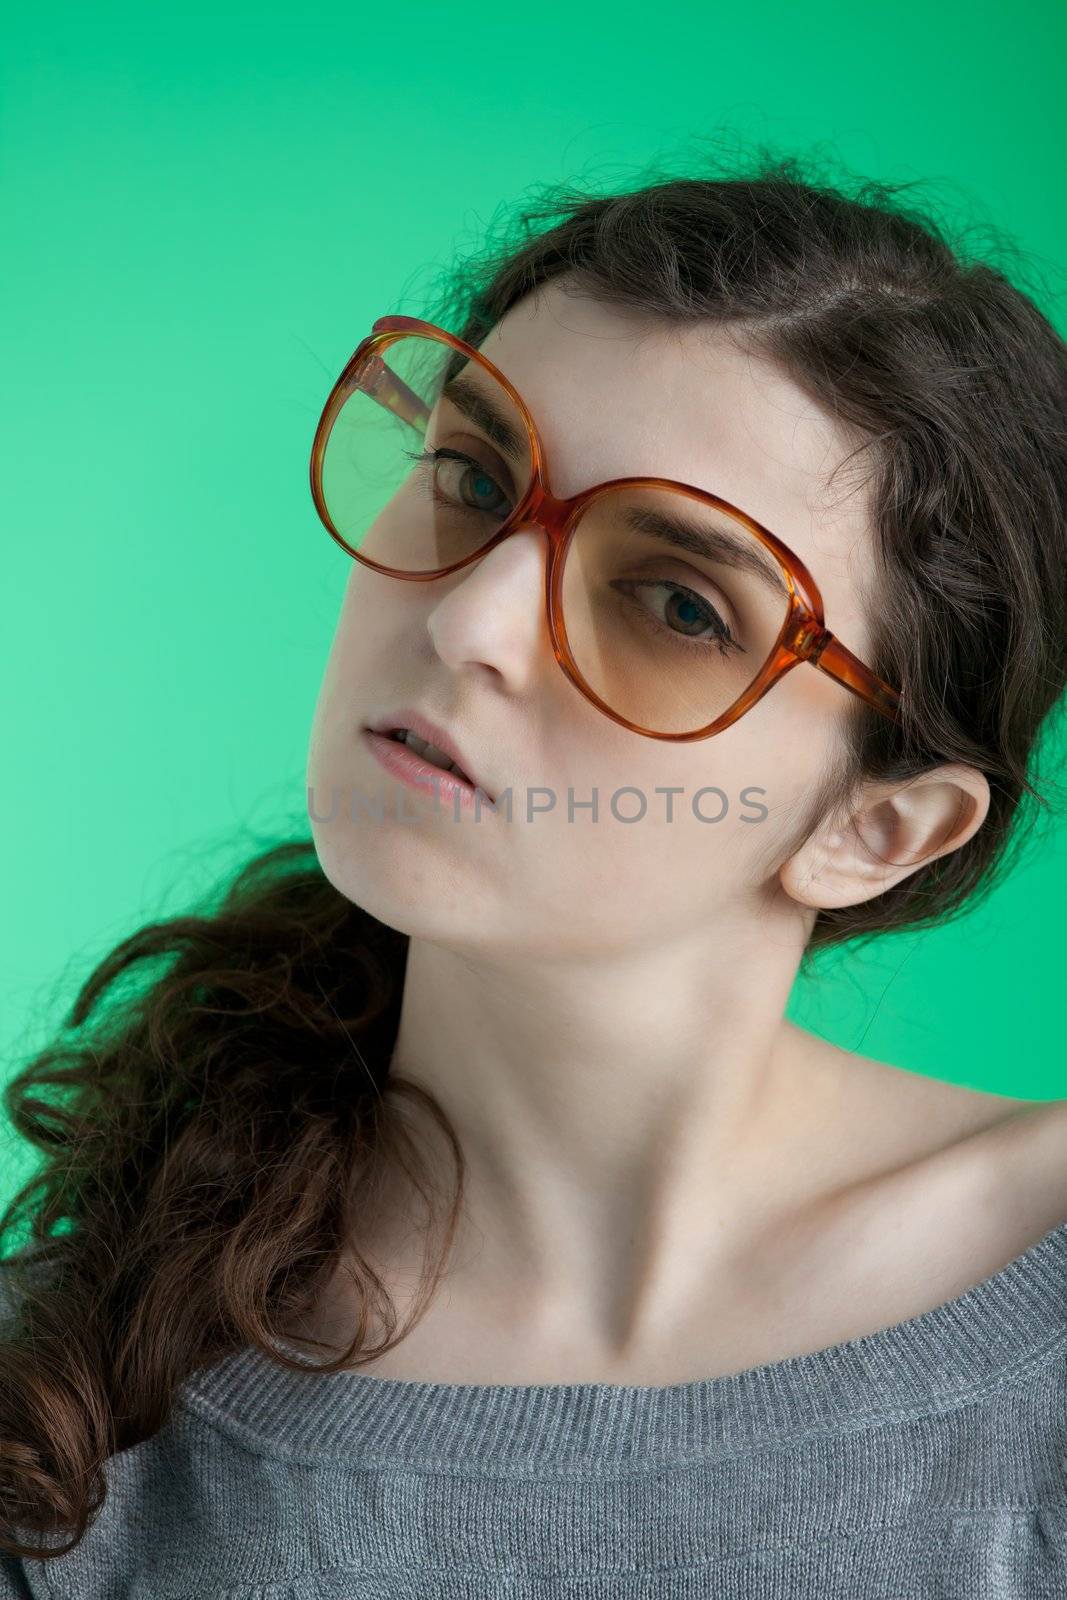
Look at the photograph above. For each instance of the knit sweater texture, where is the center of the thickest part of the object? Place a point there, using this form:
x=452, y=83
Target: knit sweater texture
x=925, y=1460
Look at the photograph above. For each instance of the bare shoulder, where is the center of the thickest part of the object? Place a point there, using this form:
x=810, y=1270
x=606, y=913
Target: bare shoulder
x=983, y=1174
x=912, y=1111
x=1027, y=1161
x=942, y=1185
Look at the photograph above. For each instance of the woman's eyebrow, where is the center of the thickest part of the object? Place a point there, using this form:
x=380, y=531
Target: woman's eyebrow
x=483, y=410
x=693, y=533
x=709, y=539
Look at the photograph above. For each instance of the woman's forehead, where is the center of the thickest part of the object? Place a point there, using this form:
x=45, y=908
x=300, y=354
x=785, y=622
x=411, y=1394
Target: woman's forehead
x=707, y=405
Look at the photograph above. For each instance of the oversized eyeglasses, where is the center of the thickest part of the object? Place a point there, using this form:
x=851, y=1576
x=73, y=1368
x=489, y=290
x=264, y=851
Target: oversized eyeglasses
x=669, y=608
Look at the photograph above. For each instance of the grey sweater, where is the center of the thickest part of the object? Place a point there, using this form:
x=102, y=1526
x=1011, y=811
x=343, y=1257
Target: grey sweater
x=926, y=1460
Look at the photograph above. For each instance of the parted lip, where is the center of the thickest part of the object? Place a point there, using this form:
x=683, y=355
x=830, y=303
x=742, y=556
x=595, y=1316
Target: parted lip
x=426, y=728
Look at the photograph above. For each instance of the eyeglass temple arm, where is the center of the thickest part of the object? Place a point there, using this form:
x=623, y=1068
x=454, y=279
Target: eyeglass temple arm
x=837, y=660
x=382, y=384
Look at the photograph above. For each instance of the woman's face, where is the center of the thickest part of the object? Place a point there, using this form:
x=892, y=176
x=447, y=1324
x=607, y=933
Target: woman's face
x=613, y=396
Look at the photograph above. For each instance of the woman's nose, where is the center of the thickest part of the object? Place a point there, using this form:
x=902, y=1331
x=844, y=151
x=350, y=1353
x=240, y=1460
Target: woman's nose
x=493, y=612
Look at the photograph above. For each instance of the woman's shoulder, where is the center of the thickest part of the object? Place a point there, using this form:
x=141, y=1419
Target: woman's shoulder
x=1020, y=1144
x=898, y=1144
x=946, y=1184
x=908, y=1105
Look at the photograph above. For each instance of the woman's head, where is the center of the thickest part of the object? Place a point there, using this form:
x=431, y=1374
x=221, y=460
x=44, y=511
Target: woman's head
x=831, y=367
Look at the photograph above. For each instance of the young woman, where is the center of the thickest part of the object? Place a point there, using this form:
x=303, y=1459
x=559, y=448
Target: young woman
x=715, y=533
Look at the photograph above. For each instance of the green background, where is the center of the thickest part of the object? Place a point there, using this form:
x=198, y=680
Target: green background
x=204, y=212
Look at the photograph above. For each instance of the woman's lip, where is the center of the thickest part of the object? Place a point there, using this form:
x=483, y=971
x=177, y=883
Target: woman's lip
x=405, y=765
x=428, y=728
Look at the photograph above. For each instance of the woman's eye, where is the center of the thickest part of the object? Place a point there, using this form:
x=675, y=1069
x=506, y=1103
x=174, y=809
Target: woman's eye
x=681, y=613
x=461, y=480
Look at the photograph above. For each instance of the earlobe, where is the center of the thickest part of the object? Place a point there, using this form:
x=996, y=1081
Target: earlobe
x=837, y=869
x=889, y=836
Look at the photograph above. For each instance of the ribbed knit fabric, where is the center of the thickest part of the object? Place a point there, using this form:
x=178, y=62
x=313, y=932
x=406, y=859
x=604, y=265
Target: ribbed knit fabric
x=926, y=1460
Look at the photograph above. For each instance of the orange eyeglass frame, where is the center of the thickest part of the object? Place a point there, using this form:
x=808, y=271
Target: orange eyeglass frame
x=803, y=636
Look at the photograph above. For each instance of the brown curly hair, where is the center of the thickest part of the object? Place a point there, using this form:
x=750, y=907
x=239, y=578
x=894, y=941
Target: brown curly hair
x=212, y=1127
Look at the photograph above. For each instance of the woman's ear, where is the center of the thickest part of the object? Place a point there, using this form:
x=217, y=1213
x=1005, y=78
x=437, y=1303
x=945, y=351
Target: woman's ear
x=888, y=832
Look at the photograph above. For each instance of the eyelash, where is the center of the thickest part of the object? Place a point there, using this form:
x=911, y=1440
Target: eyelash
x=723, y=641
